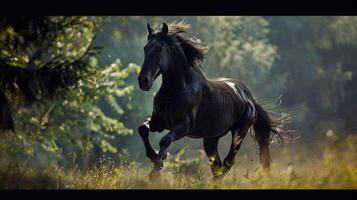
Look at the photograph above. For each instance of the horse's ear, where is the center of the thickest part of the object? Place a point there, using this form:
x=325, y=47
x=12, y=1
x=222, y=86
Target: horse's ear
x=149, y=29
x=165, y=29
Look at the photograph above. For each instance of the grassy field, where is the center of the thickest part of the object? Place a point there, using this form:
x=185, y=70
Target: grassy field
x=335, y=168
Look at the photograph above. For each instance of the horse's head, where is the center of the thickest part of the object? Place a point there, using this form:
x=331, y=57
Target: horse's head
x=156, y=60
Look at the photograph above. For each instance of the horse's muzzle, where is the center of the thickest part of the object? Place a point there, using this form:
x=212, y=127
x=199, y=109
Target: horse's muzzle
x=144, y=83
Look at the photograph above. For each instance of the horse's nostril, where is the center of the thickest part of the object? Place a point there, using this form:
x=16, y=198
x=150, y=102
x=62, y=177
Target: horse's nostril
x=145, y=80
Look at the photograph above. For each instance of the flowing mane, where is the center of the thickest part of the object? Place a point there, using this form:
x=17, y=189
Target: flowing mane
x=194, y=49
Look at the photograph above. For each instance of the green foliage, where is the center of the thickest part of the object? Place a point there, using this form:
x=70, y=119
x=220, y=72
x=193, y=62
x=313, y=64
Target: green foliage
x=41, y=57
x=239, y=49
x=78, y=121
x=31, y=41
x=317, y=58
x=74, y=99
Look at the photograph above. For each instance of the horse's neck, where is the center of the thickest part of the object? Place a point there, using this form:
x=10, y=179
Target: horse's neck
x=176, y=76
x=180, y=75
x=174, y=79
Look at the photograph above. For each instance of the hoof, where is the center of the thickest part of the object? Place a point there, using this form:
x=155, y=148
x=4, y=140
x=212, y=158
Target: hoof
x=217, y=177
x=154, y=155
x=156, y=171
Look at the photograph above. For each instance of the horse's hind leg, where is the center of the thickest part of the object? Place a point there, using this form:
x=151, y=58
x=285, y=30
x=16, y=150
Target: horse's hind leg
x=237, y=139
x=211, y=149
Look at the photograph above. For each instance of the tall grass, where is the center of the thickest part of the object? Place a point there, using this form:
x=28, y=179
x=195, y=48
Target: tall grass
x=335, y=168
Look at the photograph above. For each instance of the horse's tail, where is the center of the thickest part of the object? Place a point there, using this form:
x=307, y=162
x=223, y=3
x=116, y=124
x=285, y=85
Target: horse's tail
x=265, y=129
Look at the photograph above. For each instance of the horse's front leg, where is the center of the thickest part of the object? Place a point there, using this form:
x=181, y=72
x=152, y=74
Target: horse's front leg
x=144, y=134
x=179, y=131
x=144, y=131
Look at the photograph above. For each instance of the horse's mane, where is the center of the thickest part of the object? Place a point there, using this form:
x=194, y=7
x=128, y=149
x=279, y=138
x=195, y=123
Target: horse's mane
x=193, y=47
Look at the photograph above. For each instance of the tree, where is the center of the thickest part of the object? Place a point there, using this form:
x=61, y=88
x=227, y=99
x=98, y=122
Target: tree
x=317, y=56
x=51, y=78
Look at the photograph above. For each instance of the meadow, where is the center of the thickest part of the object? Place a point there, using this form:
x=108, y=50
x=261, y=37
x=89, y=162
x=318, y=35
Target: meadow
x=335, y=168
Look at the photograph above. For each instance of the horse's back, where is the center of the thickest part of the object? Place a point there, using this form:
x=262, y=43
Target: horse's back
x=245, y=99
x=221, y=107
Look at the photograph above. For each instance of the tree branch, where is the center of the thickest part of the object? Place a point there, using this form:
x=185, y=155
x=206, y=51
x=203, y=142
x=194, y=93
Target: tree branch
x=43, y=121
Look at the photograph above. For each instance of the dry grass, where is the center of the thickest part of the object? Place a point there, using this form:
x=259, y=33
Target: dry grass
x=336, y=168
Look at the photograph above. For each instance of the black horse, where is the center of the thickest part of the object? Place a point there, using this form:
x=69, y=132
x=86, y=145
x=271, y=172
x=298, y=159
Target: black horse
x=188, y=104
